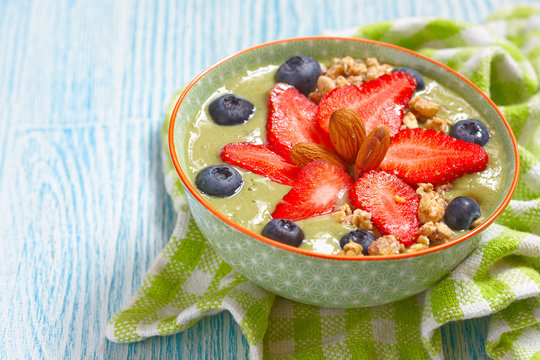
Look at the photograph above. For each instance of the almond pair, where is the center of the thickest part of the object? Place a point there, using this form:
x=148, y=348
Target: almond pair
x=352, y=146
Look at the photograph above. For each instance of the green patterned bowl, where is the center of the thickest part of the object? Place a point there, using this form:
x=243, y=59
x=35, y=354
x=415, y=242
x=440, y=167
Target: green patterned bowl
x=309, y=277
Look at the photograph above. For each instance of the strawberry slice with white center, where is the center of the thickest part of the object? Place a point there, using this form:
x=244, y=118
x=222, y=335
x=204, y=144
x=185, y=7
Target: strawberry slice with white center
x=392, y=203
x=317, y=190
x=418, y=155
x=292, y=119
x=262, y=160
x=379, y=102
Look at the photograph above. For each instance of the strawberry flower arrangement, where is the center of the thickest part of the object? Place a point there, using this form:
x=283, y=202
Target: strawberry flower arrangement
x=351, y=147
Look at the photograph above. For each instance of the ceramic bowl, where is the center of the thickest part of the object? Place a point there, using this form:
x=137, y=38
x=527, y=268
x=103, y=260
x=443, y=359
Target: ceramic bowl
x=309, y=277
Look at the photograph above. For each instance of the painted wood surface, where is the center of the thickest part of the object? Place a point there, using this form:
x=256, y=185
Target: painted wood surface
x=83, y=209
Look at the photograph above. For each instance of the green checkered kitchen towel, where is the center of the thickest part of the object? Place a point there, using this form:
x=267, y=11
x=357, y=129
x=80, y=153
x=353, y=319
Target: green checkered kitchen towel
x=501, y=277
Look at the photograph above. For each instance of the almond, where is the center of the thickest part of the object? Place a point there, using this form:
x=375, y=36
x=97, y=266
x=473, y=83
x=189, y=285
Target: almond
x=304, y=153
x=347, y=132
x=372, y=151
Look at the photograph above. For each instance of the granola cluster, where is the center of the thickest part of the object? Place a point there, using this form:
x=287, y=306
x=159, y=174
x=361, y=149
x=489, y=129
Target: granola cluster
x=422, y=243
x=358, y=218
x=431, y=209
x=437, y=233
x=352, y=249
x=432, y=231
x=347, y=71
x=385, y=245
x=432, y=200
x=431, y=206
x=424, y=110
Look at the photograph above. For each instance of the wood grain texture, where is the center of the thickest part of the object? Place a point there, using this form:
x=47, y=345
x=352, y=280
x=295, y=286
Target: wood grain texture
x=83, y=209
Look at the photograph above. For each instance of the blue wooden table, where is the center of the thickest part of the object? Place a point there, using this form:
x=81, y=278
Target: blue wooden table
x=83, y=209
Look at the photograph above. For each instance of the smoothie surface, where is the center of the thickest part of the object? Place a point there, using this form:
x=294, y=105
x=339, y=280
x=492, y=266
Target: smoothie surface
x=252, y=206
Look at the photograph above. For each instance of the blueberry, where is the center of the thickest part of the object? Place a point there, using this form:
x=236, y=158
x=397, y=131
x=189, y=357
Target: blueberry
x=362, y=237
x=420, y=84
x=230, y=109
x=461, y=212
x=219, y=180
x=301, y=72
x=284, y=231
x=470, y=130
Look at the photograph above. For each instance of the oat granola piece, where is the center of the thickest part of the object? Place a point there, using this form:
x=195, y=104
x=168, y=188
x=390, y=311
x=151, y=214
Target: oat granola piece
x=357, y=68
x=356, y=80
x=431, y=206
x=347, y=71
x=341, y=81
x=385, y=245
x=438, y=233
x=427, y=229
x=335, y=70
x=362, y=219
x=339, y=216
x=343, y=214
x=372, y=62
x=347, y=63
x=422, y=239
x=325, y=85
x=442, y=235
x=423, y=107
x=373, y=73
x=423, y=188
x=437, y=124
x=422, y=242
x=346, y=208
x=352, y=249
x=386, y=68
x=476, y=222
x=416, y=247
x=409, y=121
x=374, y=69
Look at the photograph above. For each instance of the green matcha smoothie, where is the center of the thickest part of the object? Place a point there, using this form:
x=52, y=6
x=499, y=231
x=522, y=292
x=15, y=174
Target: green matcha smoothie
x=252, y=206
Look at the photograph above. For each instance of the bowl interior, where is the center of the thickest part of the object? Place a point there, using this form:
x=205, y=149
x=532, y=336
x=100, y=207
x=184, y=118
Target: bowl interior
x=325, y=48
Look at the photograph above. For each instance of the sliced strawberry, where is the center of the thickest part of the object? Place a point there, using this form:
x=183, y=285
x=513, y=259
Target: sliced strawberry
x=262, y=160
x=292, y=119
x=392, y=203
x=418, y=155
x=378, y=102
x=319, y=186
